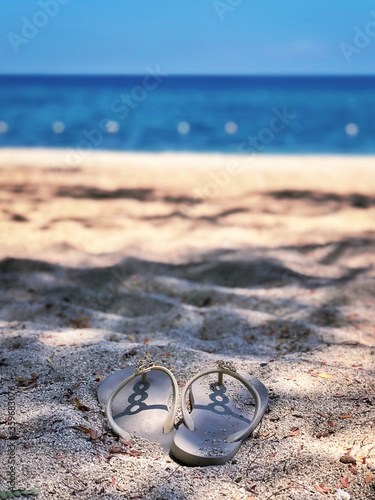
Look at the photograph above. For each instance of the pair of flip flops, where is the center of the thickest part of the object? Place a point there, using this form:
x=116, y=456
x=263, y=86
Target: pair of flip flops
x=137, y=399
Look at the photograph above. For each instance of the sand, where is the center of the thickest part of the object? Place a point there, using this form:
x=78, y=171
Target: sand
x=266, y=261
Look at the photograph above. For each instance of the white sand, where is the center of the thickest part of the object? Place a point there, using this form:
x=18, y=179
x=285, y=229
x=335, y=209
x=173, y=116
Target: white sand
x=128, y=254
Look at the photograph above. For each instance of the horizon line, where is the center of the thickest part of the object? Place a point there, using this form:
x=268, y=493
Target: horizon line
x=196, y=75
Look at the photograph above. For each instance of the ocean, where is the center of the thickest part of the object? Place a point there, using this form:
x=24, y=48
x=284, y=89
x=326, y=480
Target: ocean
x=265, y=115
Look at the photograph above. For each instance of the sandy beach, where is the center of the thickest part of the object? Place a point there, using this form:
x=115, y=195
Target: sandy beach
x=267, y=261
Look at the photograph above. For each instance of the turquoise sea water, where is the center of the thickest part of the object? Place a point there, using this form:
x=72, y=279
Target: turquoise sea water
x=214, y=114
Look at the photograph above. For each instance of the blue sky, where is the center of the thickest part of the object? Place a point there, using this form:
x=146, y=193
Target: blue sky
x=186, y=36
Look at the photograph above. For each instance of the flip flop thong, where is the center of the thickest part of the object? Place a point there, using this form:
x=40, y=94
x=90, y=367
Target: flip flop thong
x=136, y=402
x=216, y=427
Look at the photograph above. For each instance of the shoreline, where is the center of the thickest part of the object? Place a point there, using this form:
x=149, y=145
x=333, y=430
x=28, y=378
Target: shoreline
x=4, y=151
